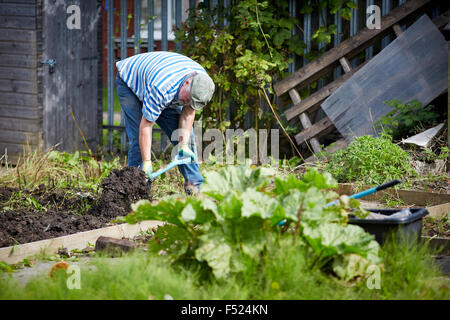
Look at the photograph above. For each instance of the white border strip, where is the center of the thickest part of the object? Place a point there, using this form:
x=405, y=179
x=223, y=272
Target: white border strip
x=15, y=254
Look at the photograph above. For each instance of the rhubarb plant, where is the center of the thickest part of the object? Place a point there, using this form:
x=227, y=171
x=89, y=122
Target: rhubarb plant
x=229, y=225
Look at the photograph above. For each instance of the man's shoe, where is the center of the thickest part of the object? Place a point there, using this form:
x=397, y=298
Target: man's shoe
x=191, y=190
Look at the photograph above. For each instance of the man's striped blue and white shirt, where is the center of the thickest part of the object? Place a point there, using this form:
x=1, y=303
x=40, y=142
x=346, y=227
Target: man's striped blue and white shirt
x=155, y=78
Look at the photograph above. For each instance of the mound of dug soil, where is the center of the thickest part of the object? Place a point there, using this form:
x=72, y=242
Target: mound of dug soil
x=60, y=214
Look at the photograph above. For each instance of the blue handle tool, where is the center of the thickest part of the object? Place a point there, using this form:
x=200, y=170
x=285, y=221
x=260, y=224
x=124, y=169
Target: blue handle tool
x=176, y=161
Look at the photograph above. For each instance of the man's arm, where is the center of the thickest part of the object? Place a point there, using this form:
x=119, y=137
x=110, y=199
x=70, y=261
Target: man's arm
x=145, y=139
x=185, y=124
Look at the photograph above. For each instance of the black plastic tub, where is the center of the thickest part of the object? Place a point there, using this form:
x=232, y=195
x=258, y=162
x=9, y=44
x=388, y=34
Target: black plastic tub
x=409, y=227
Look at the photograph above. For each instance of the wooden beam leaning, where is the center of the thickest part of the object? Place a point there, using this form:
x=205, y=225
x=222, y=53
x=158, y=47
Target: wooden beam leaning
x=305, y=121
x=320, y=128
x=312, y=102
x=397, y=30
x=364, y=38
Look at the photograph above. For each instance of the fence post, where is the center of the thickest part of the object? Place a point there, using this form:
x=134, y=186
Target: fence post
x=137, y=26
x=178, y=20
x=369, y=51
x=323, y=22
x=150, y=25
x=110, y=70
x=164, y=47
x=386, y=7
x=337, y=40
x=292, y=13
x=123, y=55
x=354, y=27
x=307, y=35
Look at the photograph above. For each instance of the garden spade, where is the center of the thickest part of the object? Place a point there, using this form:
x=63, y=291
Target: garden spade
x=175, y=162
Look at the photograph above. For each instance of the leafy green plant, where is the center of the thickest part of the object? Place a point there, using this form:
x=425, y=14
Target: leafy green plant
x=428, y=155
x=405, y=118
x=230, y=224
x=371, y=160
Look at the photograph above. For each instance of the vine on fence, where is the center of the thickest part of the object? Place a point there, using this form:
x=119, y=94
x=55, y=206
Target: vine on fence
x=245, y=47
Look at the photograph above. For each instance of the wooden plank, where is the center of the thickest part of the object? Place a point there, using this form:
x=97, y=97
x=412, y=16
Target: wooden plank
x=440, y=210
x=19, y=124
x=13, y=148
x=348, y=48
x=15, y=254
x=8, y=111
x=409, y=197
x=20, y=137
x=18, y=60
x=397, y=30
x=74, y=81
x=18, y=1
x=18, y=86
x=19, y=99
x=316, y=130
x=419, y=54
x=17, y=35
x=28, y=23
x=312, y=102
x=18, y=10
x=15, y=47
x=304, y=119
x=345, y=65
x=18, y=73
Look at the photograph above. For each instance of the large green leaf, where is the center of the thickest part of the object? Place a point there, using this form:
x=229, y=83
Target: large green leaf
x=257, y=203
x=234, y=178
x=216, y=252
x=329, y=239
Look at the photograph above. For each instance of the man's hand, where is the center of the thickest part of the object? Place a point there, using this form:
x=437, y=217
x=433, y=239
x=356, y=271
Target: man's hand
x=147, y=168
x=185, y=151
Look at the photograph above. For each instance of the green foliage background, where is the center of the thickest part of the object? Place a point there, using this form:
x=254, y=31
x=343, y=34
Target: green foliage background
x=245, y=47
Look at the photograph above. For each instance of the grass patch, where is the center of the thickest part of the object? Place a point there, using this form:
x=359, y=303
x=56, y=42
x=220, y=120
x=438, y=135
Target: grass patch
x=287, y=274
x=372, y=161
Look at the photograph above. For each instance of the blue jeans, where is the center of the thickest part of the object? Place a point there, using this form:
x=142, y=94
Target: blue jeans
x=167, y=121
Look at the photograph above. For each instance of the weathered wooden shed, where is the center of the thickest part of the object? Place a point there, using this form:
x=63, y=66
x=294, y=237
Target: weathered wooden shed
x=50, y=86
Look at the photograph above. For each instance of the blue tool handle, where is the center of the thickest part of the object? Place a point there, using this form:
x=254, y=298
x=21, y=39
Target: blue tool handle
x=369, y=191
x=177, y=161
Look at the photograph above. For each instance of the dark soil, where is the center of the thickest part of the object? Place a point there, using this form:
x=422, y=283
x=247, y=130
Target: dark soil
x=64, y=212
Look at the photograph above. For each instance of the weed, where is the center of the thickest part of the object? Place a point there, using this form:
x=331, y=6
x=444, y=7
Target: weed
x=371, y=160
x=56, y=169
x=405, y=117
x=392, y=201
x=428, y=155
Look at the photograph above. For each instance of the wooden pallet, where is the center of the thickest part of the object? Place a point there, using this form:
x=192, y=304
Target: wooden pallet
x=340, y=55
